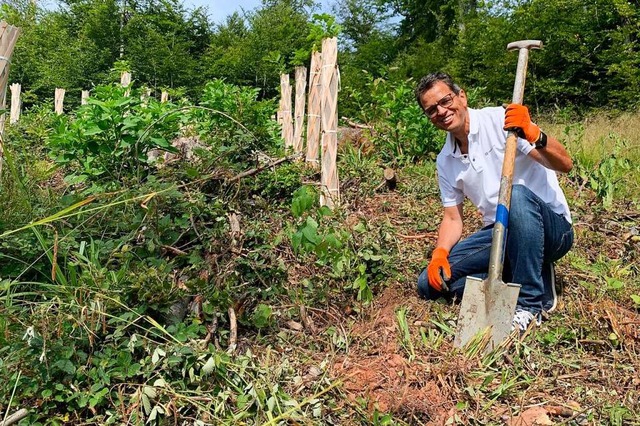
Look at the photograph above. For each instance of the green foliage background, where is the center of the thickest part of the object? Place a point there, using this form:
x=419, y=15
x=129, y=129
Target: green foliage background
x=117, y=273
x=590, y=59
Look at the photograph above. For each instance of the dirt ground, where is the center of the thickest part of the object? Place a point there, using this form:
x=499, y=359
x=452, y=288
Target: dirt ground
x=422, y=385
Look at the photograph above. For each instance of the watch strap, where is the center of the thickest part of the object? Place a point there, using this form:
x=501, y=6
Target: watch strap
x=542, y=140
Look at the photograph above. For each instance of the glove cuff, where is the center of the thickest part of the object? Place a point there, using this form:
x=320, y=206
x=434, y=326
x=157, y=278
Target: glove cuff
x=440, y=252
x=534, y=133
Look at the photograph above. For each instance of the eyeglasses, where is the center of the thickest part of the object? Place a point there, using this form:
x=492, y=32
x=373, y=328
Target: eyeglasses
x=445, y=102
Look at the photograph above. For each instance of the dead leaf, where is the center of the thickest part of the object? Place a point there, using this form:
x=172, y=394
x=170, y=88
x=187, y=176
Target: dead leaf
x=535, y=416
x=296, y=326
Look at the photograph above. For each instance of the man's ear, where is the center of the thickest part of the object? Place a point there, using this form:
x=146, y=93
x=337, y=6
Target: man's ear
x=463, y=96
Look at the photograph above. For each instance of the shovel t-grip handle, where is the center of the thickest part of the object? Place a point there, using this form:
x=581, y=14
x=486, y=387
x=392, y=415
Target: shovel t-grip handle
x=504, y=197
x=523, y=47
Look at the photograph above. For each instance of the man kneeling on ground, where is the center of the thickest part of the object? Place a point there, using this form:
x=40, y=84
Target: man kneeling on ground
x=470, y=164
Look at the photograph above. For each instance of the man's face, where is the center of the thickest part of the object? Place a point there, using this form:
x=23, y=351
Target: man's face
x=446, y=110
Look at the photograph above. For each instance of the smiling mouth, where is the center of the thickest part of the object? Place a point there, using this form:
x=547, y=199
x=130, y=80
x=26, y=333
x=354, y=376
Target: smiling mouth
x=447, y=119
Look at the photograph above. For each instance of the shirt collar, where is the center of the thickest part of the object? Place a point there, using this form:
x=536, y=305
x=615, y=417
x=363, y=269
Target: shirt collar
x=450, y=147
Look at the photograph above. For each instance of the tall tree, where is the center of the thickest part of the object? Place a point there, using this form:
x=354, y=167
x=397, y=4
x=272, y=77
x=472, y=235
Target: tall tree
x=255, y=49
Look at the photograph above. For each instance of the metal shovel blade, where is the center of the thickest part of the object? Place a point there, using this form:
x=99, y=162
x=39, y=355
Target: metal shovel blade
x=485, y=306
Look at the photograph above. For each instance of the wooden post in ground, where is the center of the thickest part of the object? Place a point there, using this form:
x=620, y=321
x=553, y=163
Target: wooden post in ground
x=279, y=114
x=145, y=95
x=15, y=103
x=84, y=97
x=164, y=96
x=285, y=111
x=313, y=117
x=58, y=102
x=8, y=37
x=330, y=187
x=125, y=81
x=301, y=86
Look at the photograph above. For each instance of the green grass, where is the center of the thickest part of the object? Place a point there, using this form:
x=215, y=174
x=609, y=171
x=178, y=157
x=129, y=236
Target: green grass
x=94, y=344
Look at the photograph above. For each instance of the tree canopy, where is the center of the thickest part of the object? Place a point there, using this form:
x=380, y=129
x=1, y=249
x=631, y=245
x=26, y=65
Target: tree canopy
x=590, y=57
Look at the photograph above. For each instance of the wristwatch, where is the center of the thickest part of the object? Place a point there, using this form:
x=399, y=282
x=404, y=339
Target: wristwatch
x=542, y=140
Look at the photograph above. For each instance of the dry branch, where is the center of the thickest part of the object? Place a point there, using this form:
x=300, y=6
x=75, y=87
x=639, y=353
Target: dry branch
x=174, y=250
x=356, y=125
x=261, y=168
x=15, y=417
x=233, y=331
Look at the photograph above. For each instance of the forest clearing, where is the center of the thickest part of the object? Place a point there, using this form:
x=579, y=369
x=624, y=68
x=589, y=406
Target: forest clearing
x=169, y=254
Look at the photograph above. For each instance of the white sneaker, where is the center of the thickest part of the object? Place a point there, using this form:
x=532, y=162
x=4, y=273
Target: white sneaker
x=522, y=319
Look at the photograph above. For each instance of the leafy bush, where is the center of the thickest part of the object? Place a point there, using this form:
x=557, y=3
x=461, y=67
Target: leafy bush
x=402, y=134
x=360, y=263
x=236, y=123
x=110, y=136
x=607, y=176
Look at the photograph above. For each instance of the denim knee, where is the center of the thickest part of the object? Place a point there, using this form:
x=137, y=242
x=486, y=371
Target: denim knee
x=423, y=284
x=426, y=291
x=522, y=198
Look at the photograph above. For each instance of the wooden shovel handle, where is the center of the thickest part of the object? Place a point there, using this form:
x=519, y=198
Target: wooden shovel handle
x=504, y=197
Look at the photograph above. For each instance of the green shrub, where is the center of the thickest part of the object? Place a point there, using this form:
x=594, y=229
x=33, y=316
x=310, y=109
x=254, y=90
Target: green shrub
x=402, y=133
x=110, y=136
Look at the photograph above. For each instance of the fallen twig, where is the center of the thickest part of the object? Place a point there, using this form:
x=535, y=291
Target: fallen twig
x=15, y=417
x=233, y=331
x=356, y=125
x=417, y=236
x=211, y=331
x=308, y=322
x=174, y=250
x=252, y=172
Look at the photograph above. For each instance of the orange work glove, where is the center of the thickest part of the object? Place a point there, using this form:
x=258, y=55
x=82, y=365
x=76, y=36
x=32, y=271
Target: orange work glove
x=516, y=117
x=438, y=268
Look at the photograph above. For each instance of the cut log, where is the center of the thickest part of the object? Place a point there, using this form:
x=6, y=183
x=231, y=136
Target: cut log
x=390, y=178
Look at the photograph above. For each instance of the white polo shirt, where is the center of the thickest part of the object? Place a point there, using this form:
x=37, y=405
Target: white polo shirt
x=477, y=174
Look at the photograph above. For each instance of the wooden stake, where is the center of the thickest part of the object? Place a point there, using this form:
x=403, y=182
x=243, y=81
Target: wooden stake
x=313, y=117
x=301, y=86
x=285, y=111
x=125, y=81
x=145, y=95
x=164, y=97
x=59, y=101
x=330, y=188
x=8, y=37
x=84, y=97
x=15, y=103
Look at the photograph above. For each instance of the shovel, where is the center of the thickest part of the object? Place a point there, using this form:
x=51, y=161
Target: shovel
x=488, y=305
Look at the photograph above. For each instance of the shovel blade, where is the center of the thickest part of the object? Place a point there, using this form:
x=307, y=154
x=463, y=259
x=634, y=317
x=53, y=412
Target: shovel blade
x=486, y=306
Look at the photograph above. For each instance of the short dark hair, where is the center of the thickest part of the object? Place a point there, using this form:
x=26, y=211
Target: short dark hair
x=428, y=81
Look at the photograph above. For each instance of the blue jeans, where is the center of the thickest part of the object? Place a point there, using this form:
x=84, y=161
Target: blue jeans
x=536, y=237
